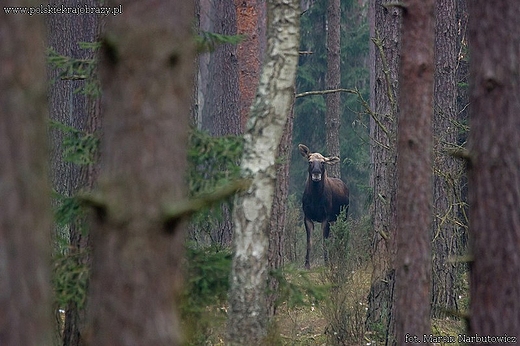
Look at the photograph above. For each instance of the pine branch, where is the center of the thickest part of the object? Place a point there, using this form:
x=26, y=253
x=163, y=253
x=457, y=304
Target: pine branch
x=189, y=207
x=398, y=4
x=178, y=211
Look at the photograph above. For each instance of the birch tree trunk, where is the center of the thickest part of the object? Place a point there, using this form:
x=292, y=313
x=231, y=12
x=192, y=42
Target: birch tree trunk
x=25, y=215
x=247, y=323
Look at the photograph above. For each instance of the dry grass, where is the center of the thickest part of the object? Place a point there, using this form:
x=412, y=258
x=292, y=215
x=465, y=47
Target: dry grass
x=301, y=326
x=338, y=319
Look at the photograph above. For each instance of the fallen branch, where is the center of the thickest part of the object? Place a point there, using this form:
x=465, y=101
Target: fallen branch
x=324, y=92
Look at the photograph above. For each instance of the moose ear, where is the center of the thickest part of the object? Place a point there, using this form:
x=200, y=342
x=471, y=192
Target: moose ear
x=304, y=151
x=332, y=160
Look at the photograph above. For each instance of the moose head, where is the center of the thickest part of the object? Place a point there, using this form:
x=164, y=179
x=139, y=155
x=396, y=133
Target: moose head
x=317, y=163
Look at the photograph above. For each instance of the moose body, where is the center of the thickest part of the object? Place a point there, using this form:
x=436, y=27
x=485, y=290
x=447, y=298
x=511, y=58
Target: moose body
x=323, y=197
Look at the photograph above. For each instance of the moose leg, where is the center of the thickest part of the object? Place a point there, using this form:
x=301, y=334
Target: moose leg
x=309, y=227
x=325, y=226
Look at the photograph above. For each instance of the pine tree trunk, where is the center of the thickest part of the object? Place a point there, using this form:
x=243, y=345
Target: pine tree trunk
x=494, y=175
x=219, y=95
x=414, y=172
x=446, y=232
x=251, y=24
x=220, y=114
x=81, y=112
x=333, y=79
x=279, y=211
x=25, y=214
x=385, y=27
x=146, y=72
x=247, y=321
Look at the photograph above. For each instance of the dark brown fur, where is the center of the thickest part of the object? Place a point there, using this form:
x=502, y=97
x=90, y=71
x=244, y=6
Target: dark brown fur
x=323, y=197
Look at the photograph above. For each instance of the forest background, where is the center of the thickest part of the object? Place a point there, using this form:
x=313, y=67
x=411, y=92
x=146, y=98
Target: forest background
x=352, y=98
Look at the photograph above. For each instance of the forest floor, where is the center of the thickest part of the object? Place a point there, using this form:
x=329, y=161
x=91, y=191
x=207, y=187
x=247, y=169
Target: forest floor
x=337, y=319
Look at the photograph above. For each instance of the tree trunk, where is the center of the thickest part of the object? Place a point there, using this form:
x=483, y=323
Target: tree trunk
x=446, y=235
x=414, y=172
x=279, y=211
x=81, y=112
x=220, y=114
x=333, y=79
x=25, y=217
x=219, y=95
x=146, y=73
x=385, y=28
x=251, y=23
x=247, y=322
x=494, y=192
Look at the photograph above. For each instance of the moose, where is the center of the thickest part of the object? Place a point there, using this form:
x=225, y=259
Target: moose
x=323, y=197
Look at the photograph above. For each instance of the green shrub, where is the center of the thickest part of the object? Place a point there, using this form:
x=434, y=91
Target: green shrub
x=204, y=299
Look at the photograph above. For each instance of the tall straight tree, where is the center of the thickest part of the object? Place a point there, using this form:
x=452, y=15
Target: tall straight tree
x=218, y=89
x=333, y=79
x=279, y=212
x=147, y=74
x=251, y=25
x=414, y=171
x=25, y=218
x=494, y=175
x=79, y=110
x=247, y=322
x=446, y=237
x=228, y=76
x=385, y=32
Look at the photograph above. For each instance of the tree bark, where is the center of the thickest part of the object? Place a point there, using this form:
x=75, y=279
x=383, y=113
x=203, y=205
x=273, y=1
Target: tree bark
x=279, y=211
x=218, y=90
x=494, y=192
x=414, y=172
x=146, y=72
x=446, y=230
x=385, y=29
x=251, y=23
x=25, y=217
x=333, y=80
x=220, y=115
x=247, y=322
x=81, y=112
